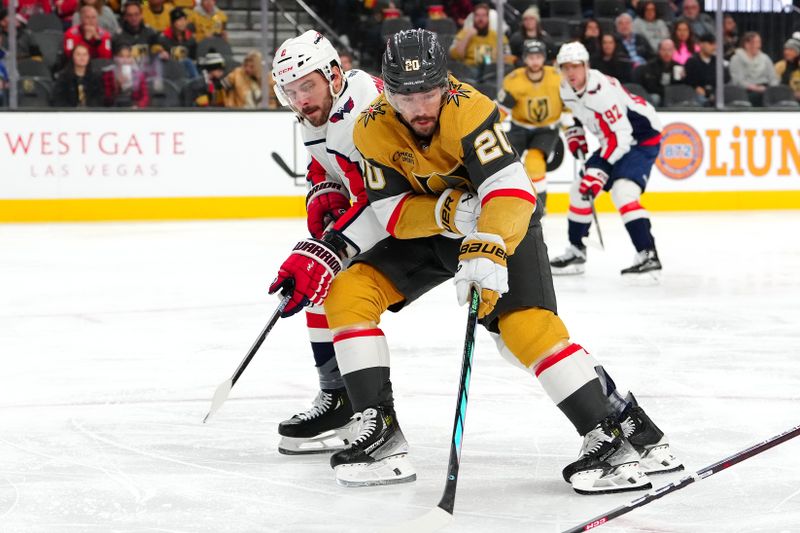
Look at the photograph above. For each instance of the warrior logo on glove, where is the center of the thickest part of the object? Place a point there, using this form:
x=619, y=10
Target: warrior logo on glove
x=310, y=268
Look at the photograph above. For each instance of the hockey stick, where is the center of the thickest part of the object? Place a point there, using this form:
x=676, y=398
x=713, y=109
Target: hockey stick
x=225, y=387
x=588, y=197
x=688, y=480
x=441, y=515
x=281, y=163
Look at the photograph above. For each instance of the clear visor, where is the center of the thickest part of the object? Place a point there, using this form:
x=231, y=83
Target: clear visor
x=416, y=103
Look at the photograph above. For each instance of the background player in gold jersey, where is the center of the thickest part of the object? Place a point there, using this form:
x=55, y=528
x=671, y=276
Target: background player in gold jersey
x=428, y=145
x=530, y=96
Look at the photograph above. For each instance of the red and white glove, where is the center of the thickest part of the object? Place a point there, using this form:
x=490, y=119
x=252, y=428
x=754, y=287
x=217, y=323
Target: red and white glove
x=592, y=182
x=309, y=271
x=325, y=203
x=576, y=141
x=457, y=213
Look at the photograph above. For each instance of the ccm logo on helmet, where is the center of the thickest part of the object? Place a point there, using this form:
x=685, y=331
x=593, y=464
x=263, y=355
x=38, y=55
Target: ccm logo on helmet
x=284, y=71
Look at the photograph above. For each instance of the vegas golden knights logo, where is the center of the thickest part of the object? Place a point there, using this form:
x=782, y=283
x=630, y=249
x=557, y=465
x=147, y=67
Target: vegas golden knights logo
x=538, y=109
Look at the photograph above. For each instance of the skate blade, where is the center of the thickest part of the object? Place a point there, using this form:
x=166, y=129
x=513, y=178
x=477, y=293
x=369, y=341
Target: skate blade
x=622, y=478
x=389, y=471
x=645, y=279
x=328, y=442
x=572, y=270
x=434, y=520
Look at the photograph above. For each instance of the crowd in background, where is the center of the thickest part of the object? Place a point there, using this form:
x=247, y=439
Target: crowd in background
x=125, y=53
x=89, y=53
x=647, y=44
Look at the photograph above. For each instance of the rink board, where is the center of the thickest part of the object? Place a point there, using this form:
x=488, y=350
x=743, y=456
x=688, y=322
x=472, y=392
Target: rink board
x=156, y=166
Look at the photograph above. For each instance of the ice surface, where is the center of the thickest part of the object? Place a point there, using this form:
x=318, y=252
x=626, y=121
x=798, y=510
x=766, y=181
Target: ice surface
x=113, y=338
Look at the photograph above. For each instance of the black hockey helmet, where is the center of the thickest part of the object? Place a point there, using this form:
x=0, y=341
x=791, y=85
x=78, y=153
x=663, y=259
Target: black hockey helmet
x=413, y=62
x=534, y=46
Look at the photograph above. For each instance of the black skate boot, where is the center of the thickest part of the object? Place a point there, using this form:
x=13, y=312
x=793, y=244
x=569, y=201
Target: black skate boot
x=607, y=463
x=326, y=427
x=572, y=261
x=655, y=456
x=646, y=262
x=378, y=455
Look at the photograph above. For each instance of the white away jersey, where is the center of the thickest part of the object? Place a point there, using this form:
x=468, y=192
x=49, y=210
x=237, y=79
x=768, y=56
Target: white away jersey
x=335, y=158
x=616, y=117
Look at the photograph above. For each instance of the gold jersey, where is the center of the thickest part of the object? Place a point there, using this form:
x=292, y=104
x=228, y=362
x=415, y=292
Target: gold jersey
x=481, y=49
x=531, y=104
x=468, y=151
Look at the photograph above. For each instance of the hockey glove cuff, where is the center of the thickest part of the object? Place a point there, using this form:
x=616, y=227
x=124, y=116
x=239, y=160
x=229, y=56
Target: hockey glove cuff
x=310, y=267
x=576, y=141
x=593, y=181
x=457, y=213
x=482, y=262
x=325, y=203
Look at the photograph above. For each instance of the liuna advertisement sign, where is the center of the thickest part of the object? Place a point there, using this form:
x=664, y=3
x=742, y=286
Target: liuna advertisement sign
x=196, y=165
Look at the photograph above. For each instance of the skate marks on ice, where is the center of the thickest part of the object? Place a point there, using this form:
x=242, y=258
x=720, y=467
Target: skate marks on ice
x=710, y=352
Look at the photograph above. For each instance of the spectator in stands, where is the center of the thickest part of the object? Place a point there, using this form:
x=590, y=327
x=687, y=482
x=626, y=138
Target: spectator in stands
x=611, y=61
x=700, y=23
x=731, y=37
x=591, y=33
x=3, y=78
x=26, y=46
x=530, y=29
x=243, y=84
x=106, y=18
x=701, y=71
x=682, y=37
x=752, y=69
x=76, y=85
x=458, y=10
x=209, y=20
x=26, y=8
x=141, y=39
x=636, y=46
x=65, y=9
x=788, y=68
x=346, y=59
x=477, y=44
x=659, y=72
x=178, y=41
x=125, y=83
x=156, y=14
x=649, y=26
x=89, y=33
x=207, y=90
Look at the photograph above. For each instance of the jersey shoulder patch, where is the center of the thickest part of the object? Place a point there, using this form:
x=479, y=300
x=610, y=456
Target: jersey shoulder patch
x=373, y=128
x=464, y=109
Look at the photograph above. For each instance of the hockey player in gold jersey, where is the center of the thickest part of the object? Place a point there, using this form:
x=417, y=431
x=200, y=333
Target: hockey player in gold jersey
x=530, y=97
x=429, y=145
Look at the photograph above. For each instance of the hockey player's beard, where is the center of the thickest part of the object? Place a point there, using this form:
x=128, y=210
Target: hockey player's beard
x=423, y=126
x=320, y=113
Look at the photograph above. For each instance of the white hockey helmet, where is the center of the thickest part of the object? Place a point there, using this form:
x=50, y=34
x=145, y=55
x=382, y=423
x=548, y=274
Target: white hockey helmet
x=573, y=52
x=300, y=56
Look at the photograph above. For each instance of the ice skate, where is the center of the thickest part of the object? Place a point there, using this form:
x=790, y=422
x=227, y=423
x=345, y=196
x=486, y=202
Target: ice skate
x=326, y=427
x=378, y=455
x=607, y=463
x=571, y=262
x=646, y=265
x=655, y=455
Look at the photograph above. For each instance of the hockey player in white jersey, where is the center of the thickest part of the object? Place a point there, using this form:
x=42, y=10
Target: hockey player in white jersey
x=309, y=78
x=630, y=137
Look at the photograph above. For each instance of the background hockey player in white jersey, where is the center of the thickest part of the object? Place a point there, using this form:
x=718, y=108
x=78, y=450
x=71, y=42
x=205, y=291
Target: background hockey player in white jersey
x=309, y=78
x=630, y=137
